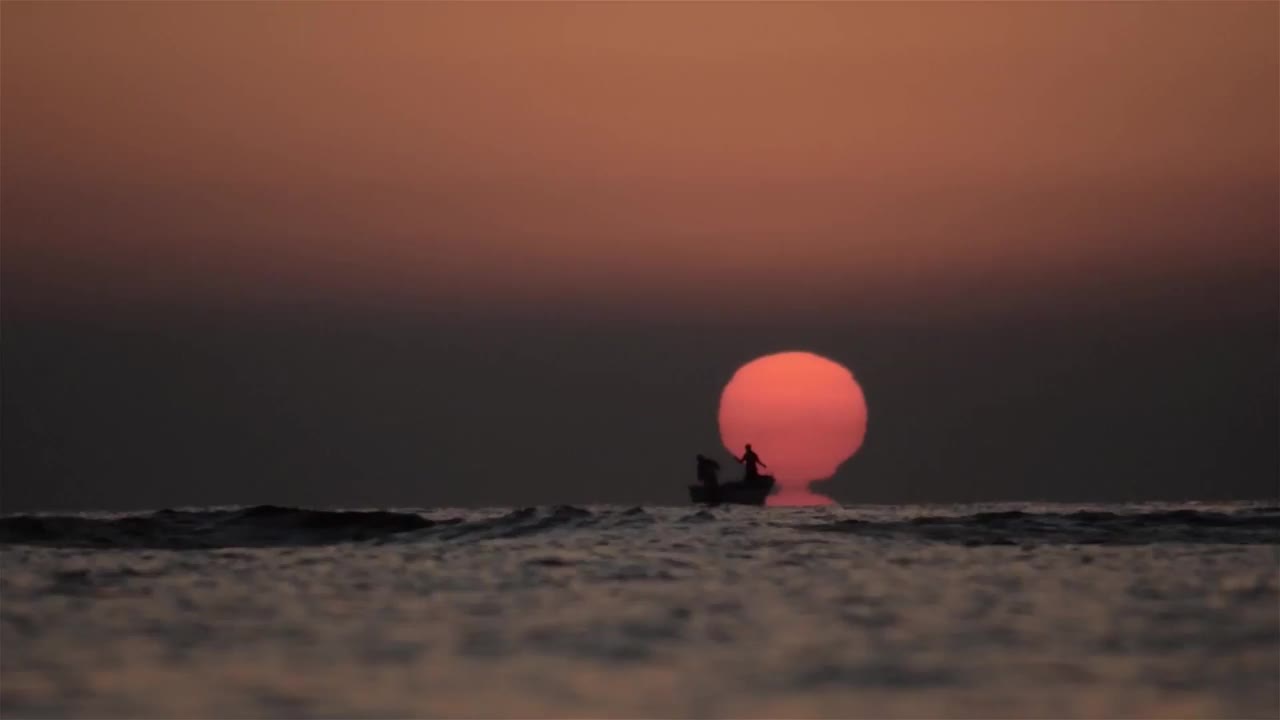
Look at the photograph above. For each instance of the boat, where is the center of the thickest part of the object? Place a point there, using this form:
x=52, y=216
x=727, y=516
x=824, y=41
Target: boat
x=734, y=493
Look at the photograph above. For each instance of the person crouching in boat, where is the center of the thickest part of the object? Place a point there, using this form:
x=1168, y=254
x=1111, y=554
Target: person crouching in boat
x=708, y=473
x=751, y=464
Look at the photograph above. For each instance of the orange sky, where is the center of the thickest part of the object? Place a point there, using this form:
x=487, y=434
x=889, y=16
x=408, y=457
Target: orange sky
x=633, y=153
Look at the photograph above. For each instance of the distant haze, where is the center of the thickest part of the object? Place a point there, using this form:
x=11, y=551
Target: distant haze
x=455, y=253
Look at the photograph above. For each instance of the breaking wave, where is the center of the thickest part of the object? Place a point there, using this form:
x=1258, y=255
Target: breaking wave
x=274, y=526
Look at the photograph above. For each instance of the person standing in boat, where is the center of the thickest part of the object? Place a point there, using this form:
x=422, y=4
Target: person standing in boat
x=751, y=464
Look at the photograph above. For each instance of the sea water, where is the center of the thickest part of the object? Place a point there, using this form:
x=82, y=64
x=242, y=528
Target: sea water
x=1016, y=610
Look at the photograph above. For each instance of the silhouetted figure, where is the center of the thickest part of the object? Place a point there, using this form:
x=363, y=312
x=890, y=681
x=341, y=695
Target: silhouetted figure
x=751, y=464
x=708, y=473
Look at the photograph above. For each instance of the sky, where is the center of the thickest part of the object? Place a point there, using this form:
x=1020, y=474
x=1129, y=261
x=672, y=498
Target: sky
x=418, y=254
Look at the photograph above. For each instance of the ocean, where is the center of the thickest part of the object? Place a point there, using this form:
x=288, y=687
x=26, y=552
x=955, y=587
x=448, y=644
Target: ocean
x=1014, y=610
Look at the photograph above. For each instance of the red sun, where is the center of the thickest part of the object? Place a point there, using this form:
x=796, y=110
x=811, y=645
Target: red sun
x=803, y=414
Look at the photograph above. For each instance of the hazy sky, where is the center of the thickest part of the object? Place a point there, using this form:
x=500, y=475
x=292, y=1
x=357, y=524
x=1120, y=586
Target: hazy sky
x=420, y=253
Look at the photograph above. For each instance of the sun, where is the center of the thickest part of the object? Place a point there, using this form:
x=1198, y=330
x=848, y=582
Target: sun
x=803, y=414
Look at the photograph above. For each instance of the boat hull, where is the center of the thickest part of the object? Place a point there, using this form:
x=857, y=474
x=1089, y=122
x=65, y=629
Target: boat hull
x=735, y=493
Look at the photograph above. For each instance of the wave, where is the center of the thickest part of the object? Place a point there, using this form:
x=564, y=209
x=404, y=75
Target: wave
x=519, y=523
x=258, y=526
x=275, y=526
x=1255, y=525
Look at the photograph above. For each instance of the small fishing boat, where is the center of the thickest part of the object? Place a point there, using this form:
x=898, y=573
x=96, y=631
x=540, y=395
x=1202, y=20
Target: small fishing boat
x=734, y=493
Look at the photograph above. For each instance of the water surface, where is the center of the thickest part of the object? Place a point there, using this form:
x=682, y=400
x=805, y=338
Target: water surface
x=1015, y=610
